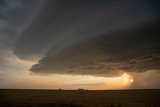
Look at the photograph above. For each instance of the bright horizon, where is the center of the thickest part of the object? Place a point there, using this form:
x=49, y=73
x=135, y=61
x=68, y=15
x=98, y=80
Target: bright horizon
x=68, y=44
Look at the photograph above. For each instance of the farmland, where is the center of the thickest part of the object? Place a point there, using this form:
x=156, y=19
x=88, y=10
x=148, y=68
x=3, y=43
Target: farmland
x=79, y=98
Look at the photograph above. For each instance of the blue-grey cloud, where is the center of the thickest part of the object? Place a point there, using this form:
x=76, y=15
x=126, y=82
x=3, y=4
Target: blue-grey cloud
x=92, y=36
x=132, y=50
x=61, y=23
x=14, y=17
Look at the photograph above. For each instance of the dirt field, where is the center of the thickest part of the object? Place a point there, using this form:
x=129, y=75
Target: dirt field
x=79, y=98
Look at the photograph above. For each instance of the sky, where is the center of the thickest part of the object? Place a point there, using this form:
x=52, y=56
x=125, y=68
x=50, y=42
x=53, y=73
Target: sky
x=71, y=44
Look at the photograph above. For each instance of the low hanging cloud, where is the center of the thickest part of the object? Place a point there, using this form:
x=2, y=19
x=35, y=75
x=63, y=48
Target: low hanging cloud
x=98, y=38
x=133, y=50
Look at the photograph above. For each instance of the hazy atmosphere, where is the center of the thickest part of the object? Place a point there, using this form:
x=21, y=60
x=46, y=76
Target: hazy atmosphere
x=71, y=44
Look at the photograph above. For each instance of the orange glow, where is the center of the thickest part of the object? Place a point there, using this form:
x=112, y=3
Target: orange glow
x=121, y=82
x=67, y=81
x=23, y=78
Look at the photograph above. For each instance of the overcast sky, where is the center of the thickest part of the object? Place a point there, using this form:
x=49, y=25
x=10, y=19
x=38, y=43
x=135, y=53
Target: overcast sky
x=92, y=40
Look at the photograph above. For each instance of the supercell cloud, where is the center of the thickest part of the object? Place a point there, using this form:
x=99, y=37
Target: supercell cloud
x=92, y=37
x=14, y=17
x=132, y=50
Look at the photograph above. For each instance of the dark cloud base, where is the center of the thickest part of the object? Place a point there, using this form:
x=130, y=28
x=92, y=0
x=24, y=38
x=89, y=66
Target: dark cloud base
x=135, y=49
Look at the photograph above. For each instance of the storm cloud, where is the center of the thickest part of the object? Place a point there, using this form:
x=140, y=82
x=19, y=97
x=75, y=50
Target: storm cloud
x=92, y=37
x=132, y=50
x=14, y=17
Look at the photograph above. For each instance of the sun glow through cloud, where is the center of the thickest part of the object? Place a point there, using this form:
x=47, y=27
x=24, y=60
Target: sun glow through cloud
x=72, y=44
x=126, y=79
x=121, y=82
x=25, y=79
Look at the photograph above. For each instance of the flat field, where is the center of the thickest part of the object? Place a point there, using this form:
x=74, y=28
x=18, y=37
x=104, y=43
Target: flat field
x=79, y=98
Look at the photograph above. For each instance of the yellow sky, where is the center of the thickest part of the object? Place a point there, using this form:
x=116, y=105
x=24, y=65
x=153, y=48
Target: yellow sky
x=27, y=80
x=21, y=77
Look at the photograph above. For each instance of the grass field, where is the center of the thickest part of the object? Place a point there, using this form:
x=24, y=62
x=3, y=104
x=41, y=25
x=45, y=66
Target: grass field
x=79, y=98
